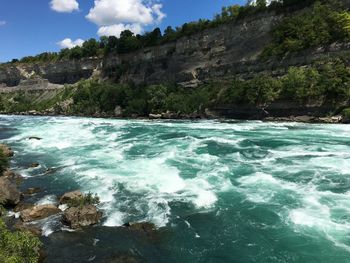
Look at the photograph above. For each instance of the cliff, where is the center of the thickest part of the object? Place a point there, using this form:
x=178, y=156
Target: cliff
x=228, y=51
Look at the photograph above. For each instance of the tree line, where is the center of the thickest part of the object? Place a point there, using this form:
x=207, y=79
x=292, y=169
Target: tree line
x=129, y=42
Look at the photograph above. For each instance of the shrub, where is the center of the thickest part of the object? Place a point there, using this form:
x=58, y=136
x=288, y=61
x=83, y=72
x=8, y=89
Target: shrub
x=88, y=199
x=18, y=247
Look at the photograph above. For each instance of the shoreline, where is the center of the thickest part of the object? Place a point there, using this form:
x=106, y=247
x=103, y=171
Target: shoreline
x=338, y=119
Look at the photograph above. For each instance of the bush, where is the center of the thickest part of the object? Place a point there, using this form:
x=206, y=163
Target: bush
x=324, y=24
x=18, y=247
x=88, y=199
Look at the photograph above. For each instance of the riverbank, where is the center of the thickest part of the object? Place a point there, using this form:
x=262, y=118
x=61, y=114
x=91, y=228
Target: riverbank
x=208, y=115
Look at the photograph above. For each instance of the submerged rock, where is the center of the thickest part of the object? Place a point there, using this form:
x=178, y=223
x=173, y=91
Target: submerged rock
x=32, y=190
x=68, y=197
x=39, y=212
x=144, y=227
x=9, y=194
x=6, y=150
x=77, y=217
x=34, y=165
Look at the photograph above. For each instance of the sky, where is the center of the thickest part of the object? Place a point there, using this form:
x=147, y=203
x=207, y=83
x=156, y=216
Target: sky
x=30, y=27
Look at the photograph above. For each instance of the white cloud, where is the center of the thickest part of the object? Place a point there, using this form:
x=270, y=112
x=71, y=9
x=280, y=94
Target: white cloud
x=114, y=16
x=2, y=23
x=115, y=30
x=64, y=6
x=69, y=43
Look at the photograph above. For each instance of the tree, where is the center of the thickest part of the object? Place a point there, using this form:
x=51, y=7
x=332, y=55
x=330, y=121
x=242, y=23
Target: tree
x=90, y=48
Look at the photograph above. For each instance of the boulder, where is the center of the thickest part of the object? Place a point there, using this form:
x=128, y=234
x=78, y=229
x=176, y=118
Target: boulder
x=6, y=150
x=29, y=228
x=68, y=197
x=9, y=194
x=22, y=206
x=39, y=212
x=77, y=217
x=13, y=177
x=155, y=116
x=118, y=111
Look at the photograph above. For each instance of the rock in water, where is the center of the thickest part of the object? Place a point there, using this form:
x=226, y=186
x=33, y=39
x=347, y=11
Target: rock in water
x=144, y=227
x=35, y=138
x=9, y=194
x=68, y=197
x=77, y=217
x=39, y=212
x=6, y=150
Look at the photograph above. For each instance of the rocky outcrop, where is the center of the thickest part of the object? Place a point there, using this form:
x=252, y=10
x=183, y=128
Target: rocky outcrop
x=6, y=150
x=71, y=196
x=77, y=217
x=9, y=194
x=39, y=212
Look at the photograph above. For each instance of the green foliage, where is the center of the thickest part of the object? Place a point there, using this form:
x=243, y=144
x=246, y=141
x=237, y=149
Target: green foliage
x=3, y=162
x=88, y=199
x=346, y=113
x=323, y=24
x=323, y=82
x=18, y=247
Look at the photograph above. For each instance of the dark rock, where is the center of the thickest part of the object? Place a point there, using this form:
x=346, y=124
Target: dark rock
x=67, y=197
x=123, y=259
x=143, y=227
x=34, y=165
x=39, y=212
x=77, y=217
x=35, y=138
x=9, y=194
x=6, y=150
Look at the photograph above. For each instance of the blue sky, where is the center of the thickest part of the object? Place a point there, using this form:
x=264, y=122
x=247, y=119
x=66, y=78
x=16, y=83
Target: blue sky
x=33, y=27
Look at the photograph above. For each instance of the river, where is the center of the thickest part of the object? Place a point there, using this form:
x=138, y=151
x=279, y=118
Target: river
x=217, y=191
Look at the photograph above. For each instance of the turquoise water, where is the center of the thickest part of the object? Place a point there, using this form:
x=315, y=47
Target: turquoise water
x=218, y=192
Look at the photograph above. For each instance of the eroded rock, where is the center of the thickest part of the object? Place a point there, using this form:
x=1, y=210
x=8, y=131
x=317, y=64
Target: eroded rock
x=77, y=217
x=39, y=212
x=6, y=150
x=9, y=194
x=68, y=197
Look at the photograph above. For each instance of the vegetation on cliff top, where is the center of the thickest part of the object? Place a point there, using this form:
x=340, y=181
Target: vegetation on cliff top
x=128, y=42
x=321, y=25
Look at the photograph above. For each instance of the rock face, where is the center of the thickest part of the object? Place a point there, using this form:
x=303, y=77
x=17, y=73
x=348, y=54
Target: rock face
x=39, y=212
x=67, y=197
x=6, y=150
x=77, y=217
x=9, y=193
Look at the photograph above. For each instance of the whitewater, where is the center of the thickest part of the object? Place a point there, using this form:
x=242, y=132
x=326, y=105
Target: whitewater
x=232, y=191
